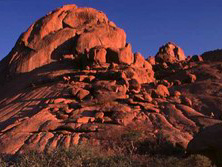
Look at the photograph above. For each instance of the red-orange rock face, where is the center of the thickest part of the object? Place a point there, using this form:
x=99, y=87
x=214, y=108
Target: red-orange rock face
x=68, y=28
x=101, y=35
x=171, y=53
x=79, y=80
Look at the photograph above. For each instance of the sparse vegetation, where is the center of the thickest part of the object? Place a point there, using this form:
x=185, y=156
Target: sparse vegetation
x=127, y=149
x=83, y=156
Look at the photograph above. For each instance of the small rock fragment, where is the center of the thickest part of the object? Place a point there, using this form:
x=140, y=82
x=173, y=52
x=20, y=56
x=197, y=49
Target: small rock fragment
x=162, y=91
x=82, y=93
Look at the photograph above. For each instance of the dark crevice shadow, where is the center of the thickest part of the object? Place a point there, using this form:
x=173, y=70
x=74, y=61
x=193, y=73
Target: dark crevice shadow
x=68, y=47
x=36, y=28
x=208, y=142
x=204, y=138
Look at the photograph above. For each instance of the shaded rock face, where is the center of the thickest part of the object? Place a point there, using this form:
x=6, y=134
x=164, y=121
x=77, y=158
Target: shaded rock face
x=67, y=30
x=170, y=53
x=213, y=56
x=208, y=139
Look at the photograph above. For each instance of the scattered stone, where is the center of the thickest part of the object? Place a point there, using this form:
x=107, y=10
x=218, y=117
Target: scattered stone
x=153, y=109
x=66, y=79
x=191, y=78
x=139, y=97
x=123, y=118
x=59, y=100
x=142, y=75
x=134, y=86
x=165, y=83
x=87, y=68
x=68, y=111
x=99, y=115
x=147, y=97
x=162, y=91
x=113, y=66
x=176, y=82
x=68, y=57
x=82, y=93
x=107, y=120
x=62, y=116
x=74, y=91
x=164, y=65
x=85, y=120
x=137, y=107
x=91, y=78
x=112, y=24
x=75, y=139
x=175, y=100
x=177, y=93
x=186, y=101
x=196, y=58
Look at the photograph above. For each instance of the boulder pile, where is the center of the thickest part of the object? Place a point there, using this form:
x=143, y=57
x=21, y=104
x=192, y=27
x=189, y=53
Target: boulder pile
x=72, y=77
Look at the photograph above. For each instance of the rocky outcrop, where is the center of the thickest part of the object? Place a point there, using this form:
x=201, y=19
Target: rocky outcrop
x=81, y=80
x=67, y=30
x=170, y=53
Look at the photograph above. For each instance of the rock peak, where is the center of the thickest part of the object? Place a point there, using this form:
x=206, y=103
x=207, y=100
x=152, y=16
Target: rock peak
x=170, y=52
x=67, y=28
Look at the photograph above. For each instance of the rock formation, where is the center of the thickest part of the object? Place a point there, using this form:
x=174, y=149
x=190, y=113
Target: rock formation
x=72, y=78
x=67, y=30
x=170, y=53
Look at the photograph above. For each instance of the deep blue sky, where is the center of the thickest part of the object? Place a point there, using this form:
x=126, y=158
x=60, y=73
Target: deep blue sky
x=195, y=25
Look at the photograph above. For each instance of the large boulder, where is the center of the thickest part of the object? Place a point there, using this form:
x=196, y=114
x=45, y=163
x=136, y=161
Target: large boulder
x=170, y=53
x=65, y=31
x=25, y=59
x=122, y=55
x=79, y=18
x=48, y=24
x=98, y=55
x=140, y=62
x=101, y=35
x=125, y=55
x=142, y=75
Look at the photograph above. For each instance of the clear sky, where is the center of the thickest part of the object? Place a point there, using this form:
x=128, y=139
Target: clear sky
x=195, y=25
